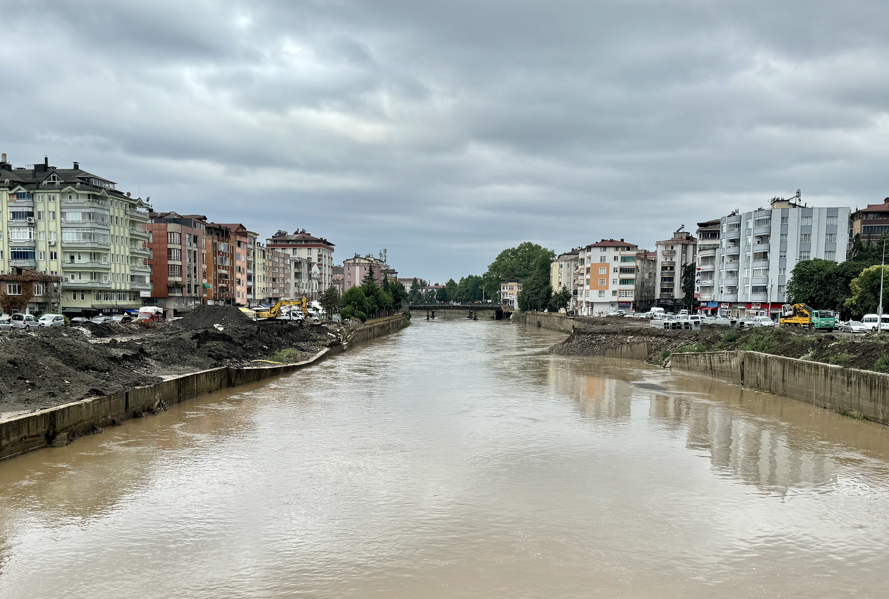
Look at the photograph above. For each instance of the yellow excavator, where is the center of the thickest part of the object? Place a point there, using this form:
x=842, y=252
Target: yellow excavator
x=275, y=311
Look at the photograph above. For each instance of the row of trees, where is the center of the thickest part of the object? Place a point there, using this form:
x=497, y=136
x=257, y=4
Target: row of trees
x=370, y=300
x=851, y=287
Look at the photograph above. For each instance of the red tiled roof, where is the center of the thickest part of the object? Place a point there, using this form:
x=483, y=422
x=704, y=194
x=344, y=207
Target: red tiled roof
x=611, y=243
x=884, y=207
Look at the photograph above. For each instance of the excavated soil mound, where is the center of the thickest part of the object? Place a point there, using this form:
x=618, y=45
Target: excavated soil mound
x=204, y=317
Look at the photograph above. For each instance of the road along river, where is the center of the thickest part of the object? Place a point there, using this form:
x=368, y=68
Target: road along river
x=457, y=459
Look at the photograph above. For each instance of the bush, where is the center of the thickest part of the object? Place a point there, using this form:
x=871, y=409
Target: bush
x=841, y=359
x=761, y=340
x=287, y=356
x=665, y=354
x=730, y=337
x=882, y=364
x=67, y=321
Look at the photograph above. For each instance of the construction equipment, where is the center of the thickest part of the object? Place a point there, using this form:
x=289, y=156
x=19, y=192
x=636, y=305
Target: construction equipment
x=804, y=316
x=275, y=311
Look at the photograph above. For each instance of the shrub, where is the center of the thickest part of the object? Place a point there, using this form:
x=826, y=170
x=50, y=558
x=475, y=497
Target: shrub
x=730, y=337
x=665, y=354
x=287, y=356
x=841, y=359
x=882, y=363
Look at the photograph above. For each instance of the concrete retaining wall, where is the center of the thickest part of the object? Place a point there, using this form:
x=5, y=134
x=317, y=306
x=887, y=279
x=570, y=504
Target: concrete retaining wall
x=547, y=320
x=827, y=386
x=39, y=429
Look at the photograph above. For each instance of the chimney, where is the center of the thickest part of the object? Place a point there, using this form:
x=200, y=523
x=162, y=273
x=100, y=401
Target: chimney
x=76, y=166
x=46, y=161
x=3, y=158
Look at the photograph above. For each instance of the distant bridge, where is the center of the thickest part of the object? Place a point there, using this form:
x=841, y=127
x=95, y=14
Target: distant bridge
x=471, y=309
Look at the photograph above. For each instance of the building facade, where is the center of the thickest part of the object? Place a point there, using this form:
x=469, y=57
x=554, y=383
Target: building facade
x=562, y=272
x=316, y=251
x=705, y=277
x=279, y=268
x=177, y=261
x=869, y=224
x=75, y=225
x=219, y=262
x=356, y=268
x=509, y=292
x=758, y=251
x=609, y=277
x=645, y=296
x=672, y=256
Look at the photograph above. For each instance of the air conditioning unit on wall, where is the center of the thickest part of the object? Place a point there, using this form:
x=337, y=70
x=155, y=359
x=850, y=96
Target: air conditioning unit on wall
x=30, y=220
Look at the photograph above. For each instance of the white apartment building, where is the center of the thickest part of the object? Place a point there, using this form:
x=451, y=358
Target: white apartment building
x=758, y=251
x=509, y=292
x=316, y=253
x=608, y=278
x=705, y=280
x=562, y=273
x=73, y=224
x=672, y=256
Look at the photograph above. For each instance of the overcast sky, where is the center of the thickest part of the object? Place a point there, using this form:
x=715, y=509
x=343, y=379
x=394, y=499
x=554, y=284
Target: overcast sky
x=448, y=131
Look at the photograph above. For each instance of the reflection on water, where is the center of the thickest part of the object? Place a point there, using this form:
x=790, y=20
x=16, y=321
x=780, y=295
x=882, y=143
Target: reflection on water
x=457, y=459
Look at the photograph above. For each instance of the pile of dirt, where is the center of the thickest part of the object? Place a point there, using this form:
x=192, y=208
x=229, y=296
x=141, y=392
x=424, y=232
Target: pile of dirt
x=864, y=352
x=56, y=366
x=205, y=317
x=53, y=366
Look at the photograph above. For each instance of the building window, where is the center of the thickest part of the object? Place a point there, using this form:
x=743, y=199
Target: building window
x=601, y=294
x=831, y=220
x=783, y=236
x=830, y=238
x=805, y=220
x=805, y=237
x=614, y=294
x=784, y=220
x=13, y=289
x=830, y=255
x=759, y=289
x=803, y=254
x=603, y=270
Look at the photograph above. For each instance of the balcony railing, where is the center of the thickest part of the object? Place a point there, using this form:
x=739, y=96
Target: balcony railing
x=86, y=264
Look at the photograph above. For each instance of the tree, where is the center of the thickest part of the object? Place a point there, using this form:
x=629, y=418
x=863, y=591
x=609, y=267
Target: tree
x=331, y=301
x=689, y=272
x=816, y=283
x=561, y=300
x=416, y=295
x=518, y=262
x=441, y=295
x=536, y=290
x=355, y=304
x=469, y=289
x=865, y=290
x=452, y=288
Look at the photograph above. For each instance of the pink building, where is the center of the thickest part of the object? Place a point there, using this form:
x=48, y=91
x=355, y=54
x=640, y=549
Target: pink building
x=355, y=269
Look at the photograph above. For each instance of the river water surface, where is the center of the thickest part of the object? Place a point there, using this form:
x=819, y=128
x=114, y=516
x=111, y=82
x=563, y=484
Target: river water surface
x=457, y=459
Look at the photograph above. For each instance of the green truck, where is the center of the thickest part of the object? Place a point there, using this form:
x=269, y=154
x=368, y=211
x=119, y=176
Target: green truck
x=804, y=316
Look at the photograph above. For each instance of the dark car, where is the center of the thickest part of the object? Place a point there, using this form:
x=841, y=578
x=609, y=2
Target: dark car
x=79, y=321
x=122, y=318
x=101, y=319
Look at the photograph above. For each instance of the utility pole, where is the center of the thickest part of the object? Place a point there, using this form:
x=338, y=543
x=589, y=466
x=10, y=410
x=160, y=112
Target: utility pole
x=880, y=306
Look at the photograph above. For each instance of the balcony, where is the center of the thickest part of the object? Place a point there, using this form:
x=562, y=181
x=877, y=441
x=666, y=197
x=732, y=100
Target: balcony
x=729, y=297
x=85, y=223
x=760, y=264
x=668, y=252
x=761, y=247
x=86, y=265
x=30, y=263
x=137, y=232
x=763, y=230
x=706, y=252
x=22, y=222
x=140, y=286
x=136, y=250
x=736, y=234
x=134, y=268
x=759, y=297
x=733, y=250
x=138, y=214
x=86, y=244
x=84, y=284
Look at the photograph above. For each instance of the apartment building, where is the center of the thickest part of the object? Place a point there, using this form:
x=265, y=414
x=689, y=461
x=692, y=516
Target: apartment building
x=509, y=292
x=75, y=225
x=357, y=267
x=758, y=251
x=869, y=223
x=562, y=272
x=609, y=277
x=645, y=296
x=672, y=256
x=178, y=273
x=705, y=277
x=339, y=275
x=240, y=240
x=257, y=285
x=279, y=268
x=315, y=250
x=220, y=265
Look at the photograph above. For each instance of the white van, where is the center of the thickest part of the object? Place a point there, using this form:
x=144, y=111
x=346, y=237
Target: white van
x=870, y=322
x=656, y=313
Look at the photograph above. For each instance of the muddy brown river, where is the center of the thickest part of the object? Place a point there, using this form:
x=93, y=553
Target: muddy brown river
x=457, y=459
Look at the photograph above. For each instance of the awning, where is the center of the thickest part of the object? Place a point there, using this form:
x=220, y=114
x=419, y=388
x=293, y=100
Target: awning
x=207, y=286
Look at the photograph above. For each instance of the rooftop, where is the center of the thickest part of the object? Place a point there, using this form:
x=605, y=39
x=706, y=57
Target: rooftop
x=612, y=243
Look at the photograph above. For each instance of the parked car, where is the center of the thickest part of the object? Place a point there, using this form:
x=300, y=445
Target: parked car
x=79, y=321
x=24, y=321
x=759, y=321
x=5, y=322
x=51, y=320
x=853, y=326
x=870, y=321
x=122, y=318
x=101, y=319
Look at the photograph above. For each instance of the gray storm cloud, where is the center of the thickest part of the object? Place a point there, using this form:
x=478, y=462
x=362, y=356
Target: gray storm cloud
x=446, y=132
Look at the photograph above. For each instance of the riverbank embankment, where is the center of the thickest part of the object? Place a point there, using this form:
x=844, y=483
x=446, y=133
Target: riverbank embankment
x=58, y=424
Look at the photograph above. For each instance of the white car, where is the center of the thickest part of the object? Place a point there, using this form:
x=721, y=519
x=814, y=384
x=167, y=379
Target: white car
x=760, y=321
x=51, y=320
x=853, y=326
x=24, y=321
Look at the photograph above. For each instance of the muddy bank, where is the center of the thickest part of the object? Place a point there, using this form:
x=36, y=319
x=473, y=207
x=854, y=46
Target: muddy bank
x=55, y=366
x=864, y=352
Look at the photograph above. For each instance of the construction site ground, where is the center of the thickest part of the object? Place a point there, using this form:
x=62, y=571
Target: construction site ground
x=53, y=366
